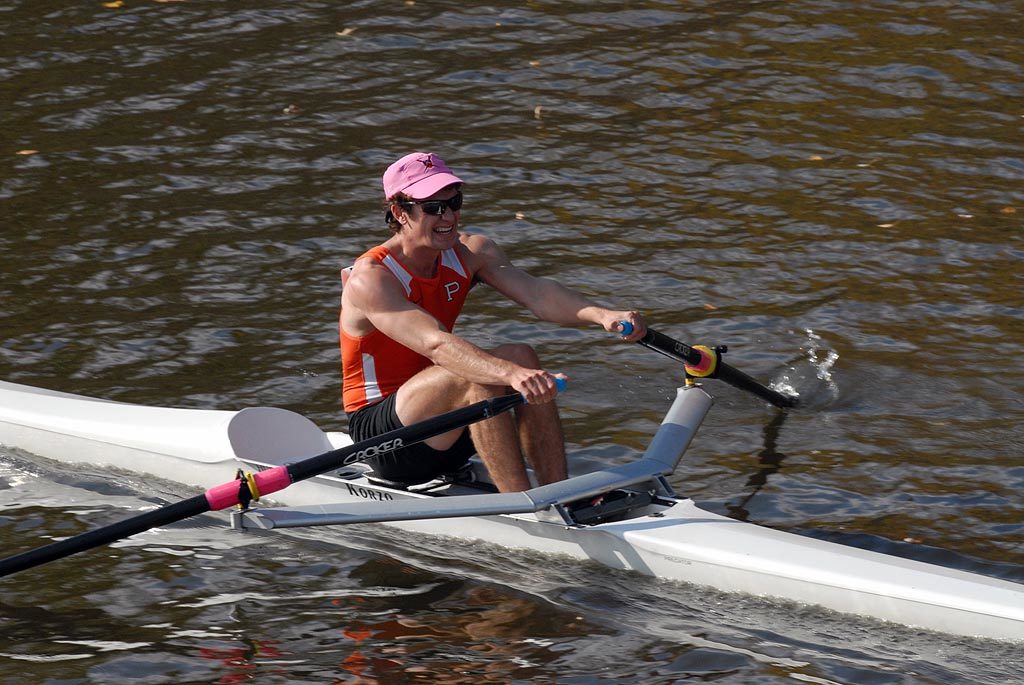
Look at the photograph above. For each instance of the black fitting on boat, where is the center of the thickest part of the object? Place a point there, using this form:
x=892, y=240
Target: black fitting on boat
x=247, y=490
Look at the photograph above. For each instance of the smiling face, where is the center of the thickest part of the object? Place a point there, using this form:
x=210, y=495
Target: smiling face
x=426, y=229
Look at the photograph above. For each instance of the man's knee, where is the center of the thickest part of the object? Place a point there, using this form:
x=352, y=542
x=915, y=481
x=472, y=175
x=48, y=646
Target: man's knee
x=520, y=353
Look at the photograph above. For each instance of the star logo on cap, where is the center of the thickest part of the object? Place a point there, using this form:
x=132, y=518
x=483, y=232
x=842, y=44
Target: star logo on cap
x=427, y=163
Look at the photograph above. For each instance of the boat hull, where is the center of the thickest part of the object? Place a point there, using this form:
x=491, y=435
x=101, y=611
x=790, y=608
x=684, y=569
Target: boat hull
x=679, y=541
x=669, y=538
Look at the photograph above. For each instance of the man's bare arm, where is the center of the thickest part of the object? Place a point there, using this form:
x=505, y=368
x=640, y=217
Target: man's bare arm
x=546, y=298
x=374, y=299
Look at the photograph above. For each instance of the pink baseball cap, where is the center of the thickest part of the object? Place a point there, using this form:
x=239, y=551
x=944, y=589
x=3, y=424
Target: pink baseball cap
x=419, y=175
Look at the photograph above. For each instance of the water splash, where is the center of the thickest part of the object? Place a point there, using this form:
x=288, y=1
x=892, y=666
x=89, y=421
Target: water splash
x=810, y=377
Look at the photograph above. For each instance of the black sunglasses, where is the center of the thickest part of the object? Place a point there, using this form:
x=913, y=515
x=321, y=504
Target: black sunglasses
x=437, y=207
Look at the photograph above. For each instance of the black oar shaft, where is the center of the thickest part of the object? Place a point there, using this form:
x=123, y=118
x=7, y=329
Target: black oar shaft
x=662, y=343
x=103, y=536
x=401, y=437
x=742, y=381
x=659, y=342
x=271, y=480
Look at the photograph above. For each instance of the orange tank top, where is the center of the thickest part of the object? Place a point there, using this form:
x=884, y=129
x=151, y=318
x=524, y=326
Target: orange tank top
x=374, y=365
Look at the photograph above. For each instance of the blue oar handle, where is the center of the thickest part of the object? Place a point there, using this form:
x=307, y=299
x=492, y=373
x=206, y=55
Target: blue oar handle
x=560, y=384
x=627, y=328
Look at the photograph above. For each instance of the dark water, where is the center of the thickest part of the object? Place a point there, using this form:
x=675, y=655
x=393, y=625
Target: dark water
x=833, y=190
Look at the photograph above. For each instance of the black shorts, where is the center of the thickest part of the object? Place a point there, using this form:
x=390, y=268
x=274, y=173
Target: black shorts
x=409, y=465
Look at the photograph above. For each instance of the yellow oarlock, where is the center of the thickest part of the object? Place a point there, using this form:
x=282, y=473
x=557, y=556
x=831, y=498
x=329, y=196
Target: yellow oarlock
x=708, y=363
x=253, y=488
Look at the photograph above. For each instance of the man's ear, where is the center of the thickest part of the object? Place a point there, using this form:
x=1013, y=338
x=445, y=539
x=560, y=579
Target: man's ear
x=398, y=211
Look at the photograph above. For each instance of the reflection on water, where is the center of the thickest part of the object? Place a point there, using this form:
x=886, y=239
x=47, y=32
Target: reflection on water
x=769, y=462
x=835, y=194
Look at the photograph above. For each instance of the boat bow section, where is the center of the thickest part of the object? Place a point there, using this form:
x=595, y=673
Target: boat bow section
x=701, y=547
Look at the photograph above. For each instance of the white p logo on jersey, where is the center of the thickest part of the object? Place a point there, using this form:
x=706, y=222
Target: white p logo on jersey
x=451, y=289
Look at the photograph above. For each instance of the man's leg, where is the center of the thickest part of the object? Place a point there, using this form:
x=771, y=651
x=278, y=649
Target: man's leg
x=501, y=440
x=541, y=439
x=539, y=425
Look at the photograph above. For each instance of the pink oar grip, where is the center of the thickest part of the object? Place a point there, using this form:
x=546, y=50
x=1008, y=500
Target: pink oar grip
x=272, y=480
x=226, y=495
x=223, y=496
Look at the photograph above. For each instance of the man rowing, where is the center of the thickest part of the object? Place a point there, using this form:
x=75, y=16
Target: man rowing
x=402, y=363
